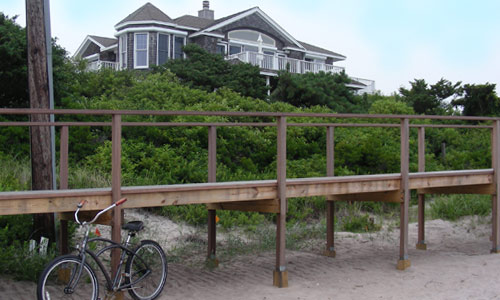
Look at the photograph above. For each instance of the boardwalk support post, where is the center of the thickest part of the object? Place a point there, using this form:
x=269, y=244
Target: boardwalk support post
x=212, y=260
x=116, y=134
x=404, y=261
x=495, y=213
x=280, y=276
x=330, y=205
x=421, y=245
x=63, y=185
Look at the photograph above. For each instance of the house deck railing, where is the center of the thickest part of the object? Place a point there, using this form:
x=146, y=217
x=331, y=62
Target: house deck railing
x=277, y=63
x=100, y=64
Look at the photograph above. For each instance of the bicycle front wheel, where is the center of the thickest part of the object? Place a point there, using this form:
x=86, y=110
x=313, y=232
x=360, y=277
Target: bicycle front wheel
x=60, y=280
x=147, y=271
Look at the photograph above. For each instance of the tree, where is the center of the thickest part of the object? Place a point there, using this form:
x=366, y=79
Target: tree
x=427, y=99
x=209, y=72
x=306, y=90
x=14, y=71
x=479, y=100
x=13, y=68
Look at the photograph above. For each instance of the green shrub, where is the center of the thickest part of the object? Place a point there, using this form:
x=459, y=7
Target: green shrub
x=453, y=207
x=18, y=261
x=359, y=223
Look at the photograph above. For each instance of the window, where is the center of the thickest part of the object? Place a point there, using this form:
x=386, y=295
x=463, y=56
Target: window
x=123, y=51
x=251, y=36
x=234, y=49
x=162, y=48
x=178, y=43
x=141, y=50
x=221, y=49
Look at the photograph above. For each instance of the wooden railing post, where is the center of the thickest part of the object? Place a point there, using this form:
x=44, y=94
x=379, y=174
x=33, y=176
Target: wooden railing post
x=330, y=205
x=63, y=185
x=212, y=172
x=116, y=134
x=495, y=213
x=280, y=278
x=404, y=261
x=421, y=197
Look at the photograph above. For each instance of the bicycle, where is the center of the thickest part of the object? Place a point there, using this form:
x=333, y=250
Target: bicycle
x=72, y=277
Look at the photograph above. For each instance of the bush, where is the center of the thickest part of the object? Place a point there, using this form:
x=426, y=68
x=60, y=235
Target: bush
x=453, y=207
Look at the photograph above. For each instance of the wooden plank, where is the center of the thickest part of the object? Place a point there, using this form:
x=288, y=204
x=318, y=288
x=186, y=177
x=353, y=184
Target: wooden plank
x=392, y=196
x=449, y=181
x=45, y=205
x=203, y=193
x=336, y=188
x=483, y=189
x=104, y=219
x=263, y=206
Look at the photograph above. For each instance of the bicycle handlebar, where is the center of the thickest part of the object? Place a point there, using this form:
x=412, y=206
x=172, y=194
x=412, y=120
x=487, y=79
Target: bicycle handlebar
x=80, y=205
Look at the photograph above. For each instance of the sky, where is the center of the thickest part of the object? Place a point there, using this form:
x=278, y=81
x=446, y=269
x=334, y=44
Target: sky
x=390, y=41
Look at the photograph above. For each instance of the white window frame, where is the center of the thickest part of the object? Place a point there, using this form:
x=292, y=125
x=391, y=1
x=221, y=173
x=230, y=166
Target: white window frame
x=147, y=50
x=158, y=47
x=249, y=41
x=173, y=48
x=123, y=50
x=225, y=48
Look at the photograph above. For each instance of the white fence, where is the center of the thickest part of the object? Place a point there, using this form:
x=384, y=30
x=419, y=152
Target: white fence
x=100, y=64
x=277, y=63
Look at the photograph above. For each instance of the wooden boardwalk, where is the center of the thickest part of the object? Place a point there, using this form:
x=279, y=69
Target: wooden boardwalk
x=268, y=196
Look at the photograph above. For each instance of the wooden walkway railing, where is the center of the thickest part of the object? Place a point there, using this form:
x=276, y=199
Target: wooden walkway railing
x=266, y=195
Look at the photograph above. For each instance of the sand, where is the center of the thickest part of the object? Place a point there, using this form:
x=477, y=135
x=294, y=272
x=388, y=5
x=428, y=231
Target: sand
x=457, y=265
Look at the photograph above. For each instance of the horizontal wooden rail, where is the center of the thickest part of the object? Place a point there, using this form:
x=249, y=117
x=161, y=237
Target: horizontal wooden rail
x=205, y=193
x=19, y=111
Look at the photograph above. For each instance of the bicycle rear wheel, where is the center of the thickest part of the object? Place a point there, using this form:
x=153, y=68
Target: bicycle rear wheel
x=54, y=281
x=147, y=271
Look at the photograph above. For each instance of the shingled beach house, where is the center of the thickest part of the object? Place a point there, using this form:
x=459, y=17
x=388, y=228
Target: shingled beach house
x=150, y=37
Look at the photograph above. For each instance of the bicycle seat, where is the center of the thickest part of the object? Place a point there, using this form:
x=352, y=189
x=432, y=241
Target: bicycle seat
x=133, y=226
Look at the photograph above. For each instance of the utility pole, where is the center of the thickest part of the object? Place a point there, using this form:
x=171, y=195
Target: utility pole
x=38, y=84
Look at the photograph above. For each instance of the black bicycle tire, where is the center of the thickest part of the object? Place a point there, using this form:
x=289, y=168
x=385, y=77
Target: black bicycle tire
x=128, y=267
x=63, y=259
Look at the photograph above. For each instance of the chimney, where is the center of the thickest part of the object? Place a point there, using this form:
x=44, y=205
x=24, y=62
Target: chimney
x=206, y=12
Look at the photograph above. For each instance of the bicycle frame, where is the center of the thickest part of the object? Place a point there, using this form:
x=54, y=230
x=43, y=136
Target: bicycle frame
x=112, y=284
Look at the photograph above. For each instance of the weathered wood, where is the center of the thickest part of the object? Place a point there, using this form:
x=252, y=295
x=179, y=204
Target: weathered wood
x=38, y=86
x=212, y=177
x=405, y=194
x=280, y=278
x=495, y=210
x=116, y=156
x=203, y=193
x=421, y=197
x=482, y=189
x=63, y=184
x=104, y=219
x=263, y=206
x=330, y=205
x=391, y=196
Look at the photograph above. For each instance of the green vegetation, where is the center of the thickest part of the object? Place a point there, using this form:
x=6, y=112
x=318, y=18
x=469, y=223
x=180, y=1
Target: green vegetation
x=453, y=207
x=205, y=82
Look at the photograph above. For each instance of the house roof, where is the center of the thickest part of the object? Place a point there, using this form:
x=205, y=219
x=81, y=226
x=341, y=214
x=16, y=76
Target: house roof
x=147, y=12
x=317, y=49
x=228, y=17
x=192, y=21
x=104, y=41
